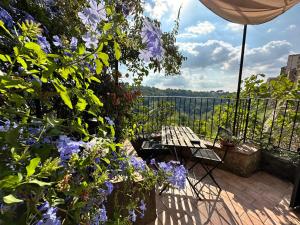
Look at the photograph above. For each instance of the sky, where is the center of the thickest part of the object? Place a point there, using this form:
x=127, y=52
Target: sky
x=212, y=46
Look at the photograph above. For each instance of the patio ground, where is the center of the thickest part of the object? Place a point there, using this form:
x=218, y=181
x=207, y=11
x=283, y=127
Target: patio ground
x=260, y=199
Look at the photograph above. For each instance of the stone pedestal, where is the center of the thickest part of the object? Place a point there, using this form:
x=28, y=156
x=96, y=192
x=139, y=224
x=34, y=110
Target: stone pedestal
x=242, y=160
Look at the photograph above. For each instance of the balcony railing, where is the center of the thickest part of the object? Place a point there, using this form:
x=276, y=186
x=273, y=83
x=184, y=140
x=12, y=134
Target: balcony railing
x=269, y=122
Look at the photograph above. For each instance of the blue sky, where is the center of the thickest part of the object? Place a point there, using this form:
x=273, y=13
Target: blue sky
x=212, y=46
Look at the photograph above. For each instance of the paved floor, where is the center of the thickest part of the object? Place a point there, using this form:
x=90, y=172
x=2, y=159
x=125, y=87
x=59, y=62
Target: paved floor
x=260, y=199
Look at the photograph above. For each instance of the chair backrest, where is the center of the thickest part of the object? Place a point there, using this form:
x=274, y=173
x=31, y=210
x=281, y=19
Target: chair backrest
x=224, y=134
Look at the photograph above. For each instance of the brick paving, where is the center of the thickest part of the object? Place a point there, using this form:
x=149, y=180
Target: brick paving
x=259, y=199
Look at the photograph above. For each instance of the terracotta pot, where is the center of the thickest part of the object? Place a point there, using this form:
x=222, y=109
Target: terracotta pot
x=226, y=143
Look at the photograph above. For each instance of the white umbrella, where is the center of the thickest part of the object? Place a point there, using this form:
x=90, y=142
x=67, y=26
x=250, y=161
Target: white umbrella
x=247, y=12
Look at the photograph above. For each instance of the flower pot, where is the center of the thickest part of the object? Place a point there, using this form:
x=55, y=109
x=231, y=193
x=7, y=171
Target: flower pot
x=226, y=144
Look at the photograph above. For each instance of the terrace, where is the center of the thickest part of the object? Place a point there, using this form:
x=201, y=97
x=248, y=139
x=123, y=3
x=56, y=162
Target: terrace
x=262, y=196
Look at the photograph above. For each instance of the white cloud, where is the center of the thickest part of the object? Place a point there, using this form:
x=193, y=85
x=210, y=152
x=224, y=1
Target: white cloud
x=224, y=56
x=202, y=28
x=234, y=27
x=165, y=9
x=205, y=27
x=292, y=27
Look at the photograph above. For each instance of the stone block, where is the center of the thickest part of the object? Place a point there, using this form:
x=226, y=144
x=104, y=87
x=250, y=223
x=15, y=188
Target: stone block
x=243, y=159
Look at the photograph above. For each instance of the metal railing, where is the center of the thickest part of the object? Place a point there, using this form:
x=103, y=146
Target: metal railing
x=269, y=122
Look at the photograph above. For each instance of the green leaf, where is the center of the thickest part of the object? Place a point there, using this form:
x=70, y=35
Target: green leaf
x=99, y=66
x=104, y=57
x=10, y=199
x=81, y=49
x=40, y=183
x=117, y=50
x=2, y=57
x=107, y=26
x=22, y=62
x=66, y=98
x=10, y=181
x=96, y=99
x=95, y=79
x=32, y=166
x=81, y=104
x=106, y=160
x=33, y=46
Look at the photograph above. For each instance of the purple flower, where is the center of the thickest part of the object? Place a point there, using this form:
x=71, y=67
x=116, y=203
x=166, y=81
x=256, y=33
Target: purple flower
x=43, y=207
x=49, y=215
x=178, y=178
x=42, y=41
x=152, y=162
x=151, y=38
x=142, y=208
x=6, y=18
x=56, y=41
x=67, y=147
x=176, y=174
x=132, y=215
x=110, y=187
x=138, y=164
x=166, y=167
x=109, y=121
x=7, y=125
x=73, y=44
x=100, y=217
x=93, y=15
x=90, y=40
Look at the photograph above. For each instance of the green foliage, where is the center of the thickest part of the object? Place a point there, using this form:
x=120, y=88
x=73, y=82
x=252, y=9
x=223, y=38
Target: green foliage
x=53, y=101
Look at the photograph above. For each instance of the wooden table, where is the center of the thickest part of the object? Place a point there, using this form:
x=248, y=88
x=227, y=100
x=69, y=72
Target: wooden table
x=179, y=137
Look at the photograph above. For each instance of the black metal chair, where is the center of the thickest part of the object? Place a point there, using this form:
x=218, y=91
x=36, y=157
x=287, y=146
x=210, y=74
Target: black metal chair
x=152, y=149
x=202, y=155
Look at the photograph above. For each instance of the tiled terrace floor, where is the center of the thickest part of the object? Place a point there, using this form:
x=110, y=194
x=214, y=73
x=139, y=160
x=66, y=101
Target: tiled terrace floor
x=260, y=199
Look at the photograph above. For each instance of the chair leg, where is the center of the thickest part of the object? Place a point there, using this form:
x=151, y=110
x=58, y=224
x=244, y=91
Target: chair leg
x=194, y=188
x=163, y=189
x=209, y=173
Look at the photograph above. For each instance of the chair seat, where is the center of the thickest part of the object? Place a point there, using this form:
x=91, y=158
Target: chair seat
x=204, y=153
x=152, y=145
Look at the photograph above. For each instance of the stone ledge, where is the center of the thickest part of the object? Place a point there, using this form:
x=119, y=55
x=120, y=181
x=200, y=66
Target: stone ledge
x=242, y=160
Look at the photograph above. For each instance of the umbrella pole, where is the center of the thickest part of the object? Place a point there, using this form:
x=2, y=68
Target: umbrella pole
x=240, y=80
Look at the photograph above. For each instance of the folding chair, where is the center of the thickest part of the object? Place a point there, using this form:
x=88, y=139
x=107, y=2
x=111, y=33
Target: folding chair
x=208, y=154
x=152, y=149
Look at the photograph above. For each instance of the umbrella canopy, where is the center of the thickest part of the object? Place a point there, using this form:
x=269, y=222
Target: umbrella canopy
x=249, y=11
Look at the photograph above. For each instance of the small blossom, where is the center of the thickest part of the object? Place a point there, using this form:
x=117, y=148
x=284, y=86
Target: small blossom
x=56, y=41
x=67, y=147
x=91, y=41
x=151, y=38
x=152, y=162
x=142, y=208
x=73, y=44
x=110, y=187
x=93, y=15
x=100, y=216
x=49, y=216
x=132, y=215
x=6, y=18
x=138, y=164
x=109, y=121
x=42, y=41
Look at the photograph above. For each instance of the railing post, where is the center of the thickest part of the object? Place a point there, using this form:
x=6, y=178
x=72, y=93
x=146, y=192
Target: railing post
x=247, y=119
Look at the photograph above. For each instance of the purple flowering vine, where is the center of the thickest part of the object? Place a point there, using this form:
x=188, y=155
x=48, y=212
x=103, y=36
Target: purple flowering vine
x=151, y=38
x=45, y=45
x=49, y=216
x=66, y=147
